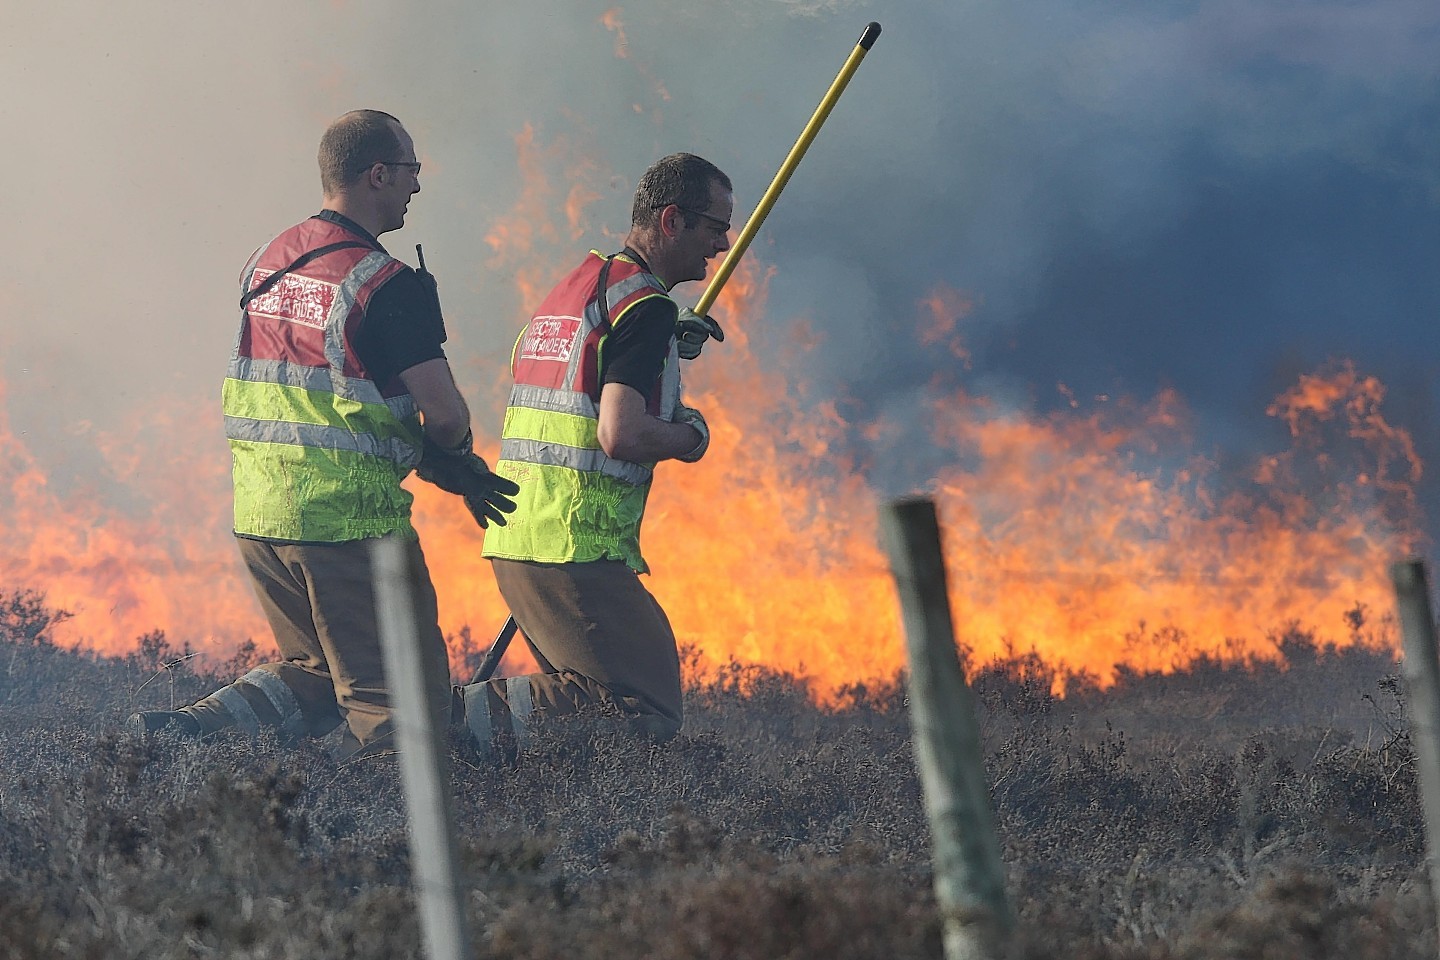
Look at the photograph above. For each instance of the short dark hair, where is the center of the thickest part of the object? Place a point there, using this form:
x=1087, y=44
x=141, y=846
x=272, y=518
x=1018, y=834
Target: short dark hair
x=354, y=143
x=682, y=179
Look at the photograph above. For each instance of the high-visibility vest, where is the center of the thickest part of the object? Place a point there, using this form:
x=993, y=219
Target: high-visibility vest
x=575, y=504
x=319, y=448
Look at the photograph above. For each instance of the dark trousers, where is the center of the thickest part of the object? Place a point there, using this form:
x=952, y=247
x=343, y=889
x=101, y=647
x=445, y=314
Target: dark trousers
x=320, y=602
x=599, y=638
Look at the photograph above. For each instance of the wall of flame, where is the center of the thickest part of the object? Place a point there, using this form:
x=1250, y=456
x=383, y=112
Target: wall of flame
x=1095, y=537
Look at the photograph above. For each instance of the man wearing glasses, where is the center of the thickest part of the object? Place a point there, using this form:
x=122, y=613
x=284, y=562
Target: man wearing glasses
x=338, y=386
x=595, y=405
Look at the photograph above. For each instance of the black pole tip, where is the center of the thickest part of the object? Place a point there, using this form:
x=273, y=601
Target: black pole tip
x=867, y=39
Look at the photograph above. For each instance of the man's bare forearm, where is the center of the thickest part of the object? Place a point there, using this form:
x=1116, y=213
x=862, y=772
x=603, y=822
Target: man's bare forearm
x=628, y=432
x=443, y=409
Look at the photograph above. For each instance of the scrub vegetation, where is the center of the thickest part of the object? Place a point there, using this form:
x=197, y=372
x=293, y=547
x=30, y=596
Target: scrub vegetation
x=1222, y=812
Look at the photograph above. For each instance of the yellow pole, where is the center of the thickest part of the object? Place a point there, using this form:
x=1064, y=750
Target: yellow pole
x=752, y=226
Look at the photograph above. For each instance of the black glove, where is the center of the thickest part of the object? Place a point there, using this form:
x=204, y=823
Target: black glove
x=445, y=466
x=488, y=498
x=459, y=470
x=691, y=332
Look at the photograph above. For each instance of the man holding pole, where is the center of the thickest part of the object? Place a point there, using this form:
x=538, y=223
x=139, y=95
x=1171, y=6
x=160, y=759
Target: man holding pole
x=595, y=405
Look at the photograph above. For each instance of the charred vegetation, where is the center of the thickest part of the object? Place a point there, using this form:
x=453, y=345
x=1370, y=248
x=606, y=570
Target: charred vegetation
x=1257, y=810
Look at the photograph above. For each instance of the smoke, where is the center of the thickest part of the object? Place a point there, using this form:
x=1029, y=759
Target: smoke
x=1214, y=196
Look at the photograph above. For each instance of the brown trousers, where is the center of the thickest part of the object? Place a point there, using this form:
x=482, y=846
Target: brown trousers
x=320, y=602
x=599, y=637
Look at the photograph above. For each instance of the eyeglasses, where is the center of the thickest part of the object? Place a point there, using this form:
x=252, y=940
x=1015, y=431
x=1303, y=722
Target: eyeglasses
x=402, y=163
x=723, y=225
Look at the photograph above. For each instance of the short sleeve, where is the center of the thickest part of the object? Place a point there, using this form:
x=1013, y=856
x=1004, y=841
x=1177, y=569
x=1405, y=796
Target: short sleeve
x=402, y=327
x=635, y=351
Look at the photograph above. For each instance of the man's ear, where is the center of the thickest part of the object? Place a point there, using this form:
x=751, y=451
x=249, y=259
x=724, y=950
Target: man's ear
x=377, y=175
x=670, y=222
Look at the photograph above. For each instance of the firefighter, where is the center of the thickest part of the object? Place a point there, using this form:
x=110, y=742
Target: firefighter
x=595, y=405
x=337, y=388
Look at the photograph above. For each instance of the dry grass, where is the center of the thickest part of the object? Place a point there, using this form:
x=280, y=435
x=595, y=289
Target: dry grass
x=1222, y=813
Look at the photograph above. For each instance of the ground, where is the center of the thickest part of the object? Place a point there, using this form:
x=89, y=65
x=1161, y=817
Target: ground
x=1222, y=812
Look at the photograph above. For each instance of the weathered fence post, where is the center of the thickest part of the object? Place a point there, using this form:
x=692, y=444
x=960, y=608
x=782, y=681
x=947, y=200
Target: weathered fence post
x=422, y=761
x=1422, y=697
x=969, y=875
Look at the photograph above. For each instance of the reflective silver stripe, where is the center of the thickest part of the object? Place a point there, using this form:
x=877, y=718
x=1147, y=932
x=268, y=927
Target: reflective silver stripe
x=323, y=379
x=320, y=436
x=246, y=278
x=287, y=374
x=403, y=407
x=345, y=296
x=619, y=291
x=547, y=454
x=553, y=400
x=670, y=383
x=240, y=709
x=477, y=717
x=249, y=271
x=577, y=346
x=281, y=697
x=517, y=697
x=588, y=323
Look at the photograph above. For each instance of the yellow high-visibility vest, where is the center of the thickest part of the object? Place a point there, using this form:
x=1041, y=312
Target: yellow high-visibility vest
x=319, y=448
x=575, y=503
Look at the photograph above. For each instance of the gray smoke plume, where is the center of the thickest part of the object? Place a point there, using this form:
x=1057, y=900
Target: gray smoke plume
x=1209, y=195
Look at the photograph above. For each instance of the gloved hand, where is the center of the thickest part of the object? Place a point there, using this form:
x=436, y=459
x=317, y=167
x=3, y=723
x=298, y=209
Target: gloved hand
x=692, y=417
x=445, y=466
x=691, y=332
x=488, y=498
x=460, y=471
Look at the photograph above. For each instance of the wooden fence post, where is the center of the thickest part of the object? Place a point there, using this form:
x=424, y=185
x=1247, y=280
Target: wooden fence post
x=1422, y=698
x=423, y=766
x=969, y=875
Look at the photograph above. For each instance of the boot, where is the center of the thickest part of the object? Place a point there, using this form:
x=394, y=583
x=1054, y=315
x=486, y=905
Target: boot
x=483, y=717
x=164, y=721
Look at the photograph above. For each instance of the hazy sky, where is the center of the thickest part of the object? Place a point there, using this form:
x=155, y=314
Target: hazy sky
x=1213, y=196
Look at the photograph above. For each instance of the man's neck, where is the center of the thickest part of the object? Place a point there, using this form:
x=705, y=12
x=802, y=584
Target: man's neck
x=641, y=245
x=362, y=218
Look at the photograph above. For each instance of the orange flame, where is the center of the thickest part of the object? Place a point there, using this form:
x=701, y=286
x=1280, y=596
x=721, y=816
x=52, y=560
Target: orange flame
x=161, y=564
x=946, y=308
x=512, y=238
x=610, y=19
x=1069, y=535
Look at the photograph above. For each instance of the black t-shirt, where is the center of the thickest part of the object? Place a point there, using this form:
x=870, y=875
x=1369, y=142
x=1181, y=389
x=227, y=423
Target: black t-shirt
x=402, y=325
x=635, y=351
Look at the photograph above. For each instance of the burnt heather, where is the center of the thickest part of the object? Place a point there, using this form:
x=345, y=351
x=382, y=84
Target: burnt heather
x=1220, y=812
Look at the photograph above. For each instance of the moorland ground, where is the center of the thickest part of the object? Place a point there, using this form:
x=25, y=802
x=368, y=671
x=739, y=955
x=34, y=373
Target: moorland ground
x=1266, y=810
